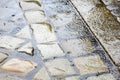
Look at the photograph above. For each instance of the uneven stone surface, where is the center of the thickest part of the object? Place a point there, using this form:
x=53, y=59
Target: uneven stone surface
x=78, y=47
x=27, y=48
x=9, y=42
x=102, y=77
x=72, y=31
x=49, y=50
x=35, y=16
x=43, y=33
x=92, y=64
x=105, y=26
x=67, y=23
x=20, y=66
x=59, y=67
x=67, y=18
x=26, y=5
x=42, y=75
x=3, y=56
x=62, y=39
x=24, y=33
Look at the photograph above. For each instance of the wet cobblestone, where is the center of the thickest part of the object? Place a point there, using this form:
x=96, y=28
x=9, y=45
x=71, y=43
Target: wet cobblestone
x=49, y=40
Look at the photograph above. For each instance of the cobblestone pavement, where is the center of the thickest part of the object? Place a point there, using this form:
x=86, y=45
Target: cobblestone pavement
x=59, y=40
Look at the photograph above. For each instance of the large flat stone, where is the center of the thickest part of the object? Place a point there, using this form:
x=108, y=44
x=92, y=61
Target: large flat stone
x=103, y=24
x=49, y=50
x=62, y=19
x=90, y=64
x=29, y=5
x=43, y=33
x=59, y=67
x=24, y=33
x=21, y=66
x=27, y=48
x=73, y=30
x=35, y=16
x=9, y=42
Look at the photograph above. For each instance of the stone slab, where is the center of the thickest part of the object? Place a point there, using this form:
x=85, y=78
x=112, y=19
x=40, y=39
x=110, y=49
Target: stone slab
x=59, y=67
x=43, y=32
x=103, y=24
x=50, y=50
x=90, y=64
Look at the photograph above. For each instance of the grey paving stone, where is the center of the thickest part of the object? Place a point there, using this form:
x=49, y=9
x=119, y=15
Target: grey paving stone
x=59, y=67
x=78, y=47
x=90, y=64
x=9, y=42
x=62, y=19
x=27, y=48
x=24, y=33
x=72, y=30
x=26, y=5
x=49, y=50
x=43, y=32
x=35, y=16
x=68, y=25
